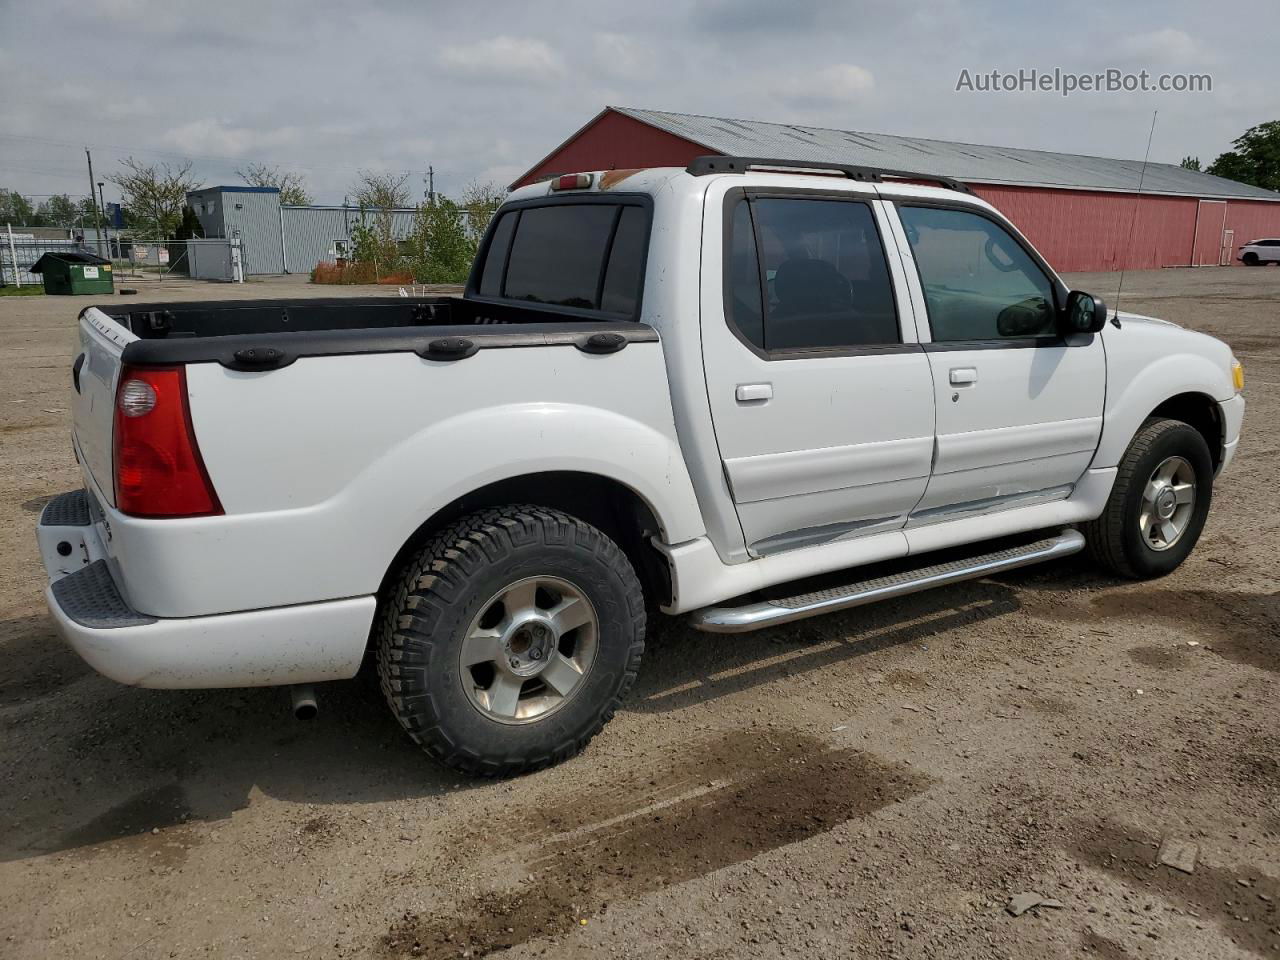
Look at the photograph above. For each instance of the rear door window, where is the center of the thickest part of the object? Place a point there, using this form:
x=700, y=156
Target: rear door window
x=809, y=274
x=581, y=256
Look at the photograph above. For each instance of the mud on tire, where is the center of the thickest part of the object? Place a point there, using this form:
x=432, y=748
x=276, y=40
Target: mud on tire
x=434, y=604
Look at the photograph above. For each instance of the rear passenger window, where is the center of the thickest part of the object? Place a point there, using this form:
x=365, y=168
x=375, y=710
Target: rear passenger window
x=491, y=272
x=587, y=256
x=621, y=289
x=745, y=308
x=819, y=271
x=557, y=254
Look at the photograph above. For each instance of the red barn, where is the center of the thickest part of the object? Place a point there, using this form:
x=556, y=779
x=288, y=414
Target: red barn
x=1079, y=211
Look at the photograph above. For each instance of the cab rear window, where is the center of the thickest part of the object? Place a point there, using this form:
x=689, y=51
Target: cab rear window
x=575, y=255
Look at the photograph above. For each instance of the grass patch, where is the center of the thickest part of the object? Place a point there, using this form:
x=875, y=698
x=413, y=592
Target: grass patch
x=26, y=290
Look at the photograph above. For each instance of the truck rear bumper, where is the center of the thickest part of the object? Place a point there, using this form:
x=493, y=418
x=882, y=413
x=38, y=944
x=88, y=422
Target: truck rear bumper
x=305, y=643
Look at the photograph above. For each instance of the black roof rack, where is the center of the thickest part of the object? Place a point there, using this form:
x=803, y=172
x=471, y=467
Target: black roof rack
x=702, y=166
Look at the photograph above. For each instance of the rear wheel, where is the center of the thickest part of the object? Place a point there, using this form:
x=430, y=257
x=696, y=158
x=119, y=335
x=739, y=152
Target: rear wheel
x=510, y=639
x=1158, y=505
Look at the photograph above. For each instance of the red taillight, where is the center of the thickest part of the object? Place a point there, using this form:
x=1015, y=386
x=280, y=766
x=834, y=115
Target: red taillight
x=158, y=468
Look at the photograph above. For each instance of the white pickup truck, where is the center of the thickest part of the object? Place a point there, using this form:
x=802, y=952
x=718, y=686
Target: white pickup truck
x=691, y=391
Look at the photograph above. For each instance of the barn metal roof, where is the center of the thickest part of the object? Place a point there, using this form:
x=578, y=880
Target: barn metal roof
x=968, y=162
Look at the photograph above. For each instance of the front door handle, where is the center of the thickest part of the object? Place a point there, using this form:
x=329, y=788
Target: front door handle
x=747, y=392
x=963, y=376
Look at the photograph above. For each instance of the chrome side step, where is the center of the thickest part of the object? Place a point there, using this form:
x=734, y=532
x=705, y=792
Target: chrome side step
x=770, y=613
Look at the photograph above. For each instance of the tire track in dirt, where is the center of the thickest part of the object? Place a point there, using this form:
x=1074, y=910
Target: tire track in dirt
x=748, y=799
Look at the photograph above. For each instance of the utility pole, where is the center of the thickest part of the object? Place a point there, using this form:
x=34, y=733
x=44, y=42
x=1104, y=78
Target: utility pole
x=93, y=198
x=103, y=203
x=431, y=186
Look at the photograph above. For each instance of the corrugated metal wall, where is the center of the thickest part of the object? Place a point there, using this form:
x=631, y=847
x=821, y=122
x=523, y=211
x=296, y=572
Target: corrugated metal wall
x=1082, y=231
x=1251, y=221
x=310, y=232
x=1078, y=230
x=254, y=217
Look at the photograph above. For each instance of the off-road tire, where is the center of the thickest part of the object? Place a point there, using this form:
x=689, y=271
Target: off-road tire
x=428, y=608
x=1114, y=539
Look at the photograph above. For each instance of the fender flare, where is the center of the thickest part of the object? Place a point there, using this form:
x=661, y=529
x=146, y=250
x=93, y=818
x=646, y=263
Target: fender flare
x=1170, y=376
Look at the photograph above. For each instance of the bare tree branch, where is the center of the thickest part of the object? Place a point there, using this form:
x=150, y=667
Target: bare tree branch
x=292, y=187
x=155, y=194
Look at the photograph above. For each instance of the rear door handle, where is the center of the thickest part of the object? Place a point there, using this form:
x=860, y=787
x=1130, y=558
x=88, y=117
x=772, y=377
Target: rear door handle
x=747, y=392
x=963, y=376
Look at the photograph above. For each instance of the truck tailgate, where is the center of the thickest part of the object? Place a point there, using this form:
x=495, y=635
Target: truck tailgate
x=95, y=372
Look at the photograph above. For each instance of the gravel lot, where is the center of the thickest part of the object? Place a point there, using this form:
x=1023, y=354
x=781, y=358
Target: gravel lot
x=870, y=784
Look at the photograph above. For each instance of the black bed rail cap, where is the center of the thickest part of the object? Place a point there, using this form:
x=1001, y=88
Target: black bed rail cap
x=702, y=166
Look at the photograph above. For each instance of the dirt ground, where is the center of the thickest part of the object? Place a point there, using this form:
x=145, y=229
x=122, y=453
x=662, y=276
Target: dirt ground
x=875, y=784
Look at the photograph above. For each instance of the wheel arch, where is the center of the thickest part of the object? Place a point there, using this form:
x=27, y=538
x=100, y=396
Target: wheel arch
x=1198, y=410
x=606, y=503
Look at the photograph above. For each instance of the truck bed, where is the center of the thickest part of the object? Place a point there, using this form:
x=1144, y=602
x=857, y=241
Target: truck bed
x=266, y=334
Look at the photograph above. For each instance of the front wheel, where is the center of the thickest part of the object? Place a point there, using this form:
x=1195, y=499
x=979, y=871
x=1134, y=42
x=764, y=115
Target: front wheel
x=1250, y=260
x=1158, y=505
x=510, y=639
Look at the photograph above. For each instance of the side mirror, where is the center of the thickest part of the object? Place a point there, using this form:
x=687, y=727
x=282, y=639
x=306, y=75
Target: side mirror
x=1084, y=313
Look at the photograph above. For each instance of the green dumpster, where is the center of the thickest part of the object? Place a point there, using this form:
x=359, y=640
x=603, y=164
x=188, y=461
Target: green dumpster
x=74, y=272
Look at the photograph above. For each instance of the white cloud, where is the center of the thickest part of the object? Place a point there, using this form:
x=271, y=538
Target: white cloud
x=507, y=58
x=833, y=86
x=846, y=81
x=329, y=87
x=214, y=138
x=1166, y=45
x=619, y=55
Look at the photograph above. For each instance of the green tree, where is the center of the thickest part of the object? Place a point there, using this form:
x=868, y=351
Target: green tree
x=442, y=245
x=58, y=211
x=480, y=201
x=155, y=195
x=190, y=227
x=368, y=245
x=15, y=209
x=85, y=214
x=293, y=190
x=1255, y=159
x=1190, y=163
x=378, y=195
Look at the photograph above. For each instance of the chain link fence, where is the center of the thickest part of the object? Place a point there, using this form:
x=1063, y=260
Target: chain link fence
x=132, y=260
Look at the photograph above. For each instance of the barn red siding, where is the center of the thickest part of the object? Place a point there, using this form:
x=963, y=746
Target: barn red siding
x=1075, y=230
x=1088, y=230
x=1083, y=230
x=1251, y=220
x=615, y=142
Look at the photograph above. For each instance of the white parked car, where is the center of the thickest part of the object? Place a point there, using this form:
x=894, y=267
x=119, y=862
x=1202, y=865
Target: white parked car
x=686, y=391
x=1256, y=253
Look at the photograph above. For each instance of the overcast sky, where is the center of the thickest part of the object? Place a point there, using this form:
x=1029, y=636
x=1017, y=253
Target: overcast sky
x=482, y=90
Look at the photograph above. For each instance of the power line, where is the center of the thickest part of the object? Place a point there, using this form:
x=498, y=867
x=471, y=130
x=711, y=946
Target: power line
x=216, y=158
